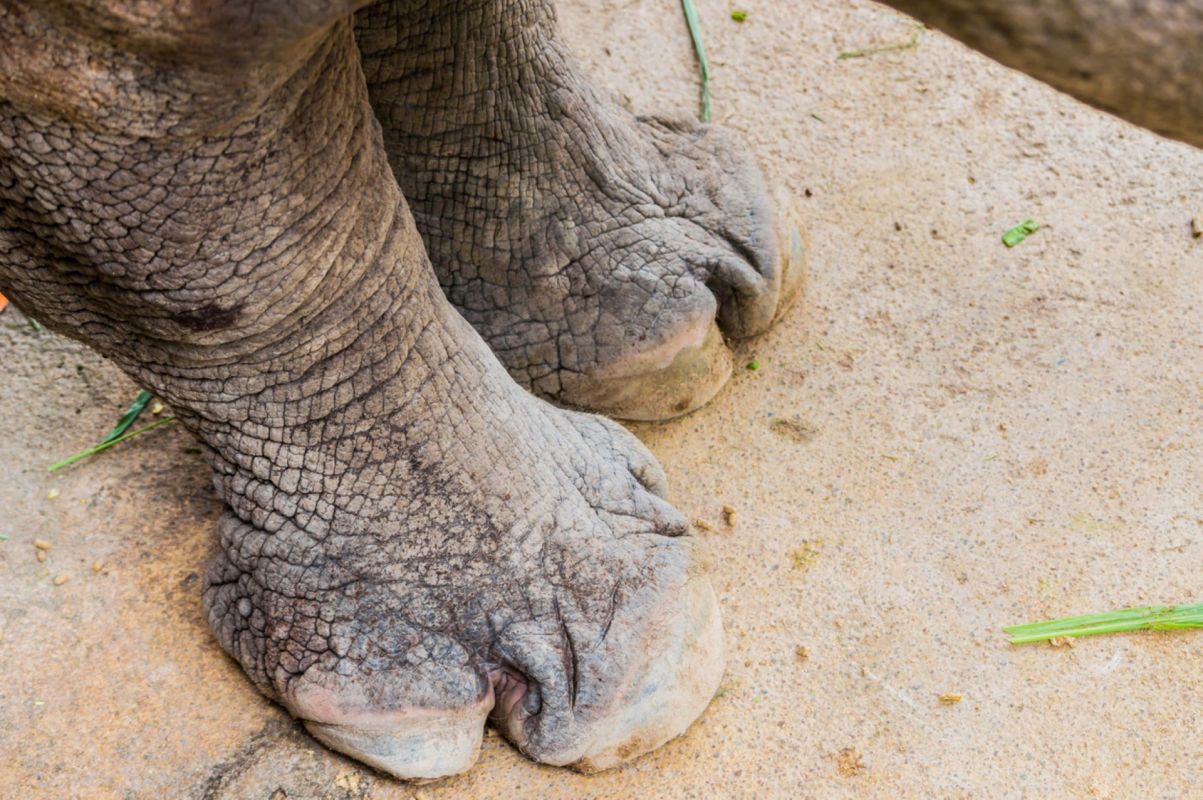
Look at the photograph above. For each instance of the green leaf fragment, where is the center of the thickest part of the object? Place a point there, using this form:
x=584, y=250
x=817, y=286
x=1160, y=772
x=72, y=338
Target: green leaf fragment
x=739, y=16
x=1020, y=232
x=128, y=418
x=695, y=33
x=753, y=364
x=1141, y=618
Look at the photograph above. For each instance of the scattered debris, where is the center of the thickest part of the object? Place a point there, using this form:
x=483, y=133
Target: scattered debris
x=729, y=516
x=888, y=48
x=41, y=544
x=949, y=699
x=802, y=654
x=1020, y=232
x=703, y=525
x=848, y=763
x=53, y=494
x=793, y=428
x=1063, y=641
x=695, y=33
x=1141, y=618
x=739, y=16
x=59, y=580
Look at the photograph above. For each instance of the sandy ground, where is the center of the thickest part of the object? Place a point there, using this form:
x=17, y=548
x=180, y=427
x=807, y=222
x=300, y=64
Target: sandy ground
x=943, y=437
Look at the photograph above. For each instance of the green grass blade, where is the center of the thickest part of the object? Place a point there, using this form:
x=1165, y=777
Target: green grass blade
x=1140, y=618
x=129, y=416
x=695, y=33
x=91, y=451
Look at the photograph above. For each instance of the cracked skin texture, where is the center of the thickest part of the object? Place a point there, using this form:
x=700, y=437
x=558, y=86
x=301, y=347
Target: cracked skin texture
x=413, y=545
x=592, y=249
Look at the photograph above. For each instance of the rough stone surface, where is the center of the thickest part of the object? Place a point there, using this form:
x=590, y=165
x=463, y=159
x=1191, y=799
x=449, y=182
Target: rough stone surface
x=972, y=436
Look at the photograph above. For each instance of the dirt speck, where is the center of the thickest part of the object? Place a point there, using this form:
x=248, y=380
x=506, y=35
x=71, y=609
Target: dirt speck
x=794, y=429
x=848, y=762
x=59, y=580
x=804, y=557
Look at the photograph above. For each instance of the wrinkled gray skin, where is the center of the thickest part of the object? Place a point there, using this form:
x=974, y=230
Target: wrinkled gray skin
x=413, y=545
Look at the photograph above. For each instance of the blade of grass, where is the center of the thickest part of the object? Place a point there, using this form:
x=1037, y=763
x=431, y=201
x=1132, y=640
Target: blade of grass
x=888, y=48
x=695, y=33
x=91, y=451
x=128, y=418
x=1139, y=618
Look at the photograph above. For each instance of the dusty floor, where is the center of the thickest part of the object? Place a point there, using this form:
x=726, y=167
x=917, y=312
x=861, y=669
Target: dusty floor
x=945, y=436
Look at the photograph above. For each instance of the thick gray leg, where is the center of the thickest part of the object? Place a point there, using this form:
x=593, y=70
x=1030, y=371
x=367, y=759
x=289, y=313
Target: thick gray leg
x=413, y=544
x=1139, y=59
x=593, y=250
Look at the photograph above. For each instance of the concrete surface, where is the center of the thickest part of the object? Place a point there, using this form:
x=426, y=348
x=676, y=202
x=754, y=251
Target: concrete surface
x=943, y=437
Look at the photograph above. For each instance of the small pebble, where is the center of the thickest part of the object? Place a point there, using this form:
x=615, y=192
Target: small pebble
x=801, y=653
x=729, y=516
x=61, y=579
x=41, y=544
x=703, y=525
x=53, y=493
x=156, y=408
x=97, y=566
x=949, y=698
x=41, y=556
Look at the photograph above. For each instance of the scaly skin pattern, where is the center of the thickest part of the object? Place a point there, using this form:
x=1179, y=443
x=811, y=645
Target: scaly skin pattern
x=413, y=545
x=585, y=244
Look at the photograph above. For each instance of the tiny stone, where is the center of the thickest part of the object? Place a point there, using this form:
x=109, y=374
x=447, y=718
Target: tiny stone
x=703, y=525
x=244, y=607
x=41, y=544
x=802, y=653
x=1063, y=641
x=41, y=556
x=1196, y=227
x=729, y=516
x=97, y=566
x=53, y=493
x=61, y=579
x=950, y=698
x=156, y=408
